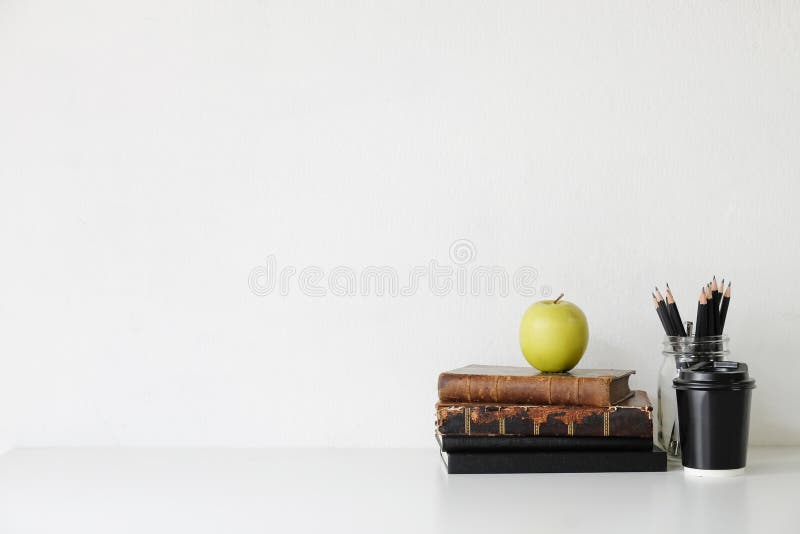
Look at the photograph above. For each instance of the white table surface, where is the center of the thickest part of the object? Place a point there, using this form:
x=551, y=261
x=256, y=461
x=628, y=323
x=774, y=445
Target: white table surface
x=349, y=490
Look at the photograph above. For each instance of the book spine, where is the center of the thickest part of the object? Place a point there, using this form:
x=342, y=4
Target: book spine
x=488, y=420
x=540, y=389
x=555, y=462
x=451, y=443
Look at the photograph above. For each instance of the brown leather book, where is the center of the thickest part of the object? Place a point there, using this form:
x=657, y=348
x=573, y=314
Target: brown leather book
x=525, y=385
x=632, y=418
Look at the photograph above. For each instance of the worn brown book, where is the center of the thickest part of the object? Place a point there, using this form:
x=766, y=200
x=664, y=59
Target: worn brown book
x=525, y=385
x=632, y=418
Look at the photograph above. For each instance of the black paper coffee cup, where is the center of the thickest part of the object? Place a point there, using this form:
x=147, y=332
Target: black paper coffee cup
x=714, y=417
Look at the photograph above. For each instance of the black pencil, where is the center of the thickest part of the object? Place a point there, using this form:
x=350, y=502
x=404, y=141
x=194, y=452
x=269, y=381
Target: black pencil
x=671, y=331
x=672, y=308
x=660, y=315
x=715, y=295
x=710, y=331
x=702, y=316
x=700, y=321
x=723, y=312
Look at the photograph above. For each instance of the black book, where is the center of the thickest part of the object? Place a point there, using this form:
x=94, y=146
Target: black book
x=450, y=443
x=554, y=461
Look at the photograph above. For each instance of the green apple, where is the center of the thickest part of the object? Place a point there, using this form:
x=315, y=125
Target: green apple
x=553, y=335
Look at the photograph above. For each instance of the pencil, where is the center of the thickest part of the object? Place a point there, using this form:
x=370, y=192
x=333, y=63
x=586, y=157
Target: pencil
x=702, y=306
x=715, y=304
x=672, y=308
x=660, y=315
x=709, y=314
x=672, y=331
x=723, y=312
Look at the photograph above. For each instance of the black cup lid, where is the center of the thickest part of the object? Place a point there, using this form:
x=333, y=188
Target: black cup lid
x=715, y=375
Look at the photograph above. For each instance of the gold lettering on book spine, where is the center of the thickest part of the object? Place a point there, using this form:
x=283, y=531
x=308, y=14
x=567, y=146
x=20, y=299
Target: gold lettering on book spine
x=535, y=429
x=605, y=424
x=502, y=425
x=466, y=421
x=571, y=429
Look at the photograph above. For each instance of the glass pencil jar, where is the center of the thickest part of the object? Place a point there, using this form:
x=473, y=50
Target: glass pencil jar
x=679, y=353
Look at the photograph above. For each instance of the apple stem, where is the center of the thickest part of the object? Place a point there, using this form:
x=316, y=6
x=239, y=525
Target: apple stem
x=559, y=298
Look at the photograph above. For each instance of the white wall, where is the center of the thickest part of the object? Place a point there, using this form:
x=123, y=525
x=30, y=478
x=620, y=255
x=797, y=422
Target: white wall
x=153, y=154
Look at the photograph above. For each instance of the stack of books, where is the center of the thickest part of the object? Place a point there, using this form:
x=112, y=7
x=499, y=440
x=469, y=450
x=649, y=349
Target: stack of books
x=494, y=419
